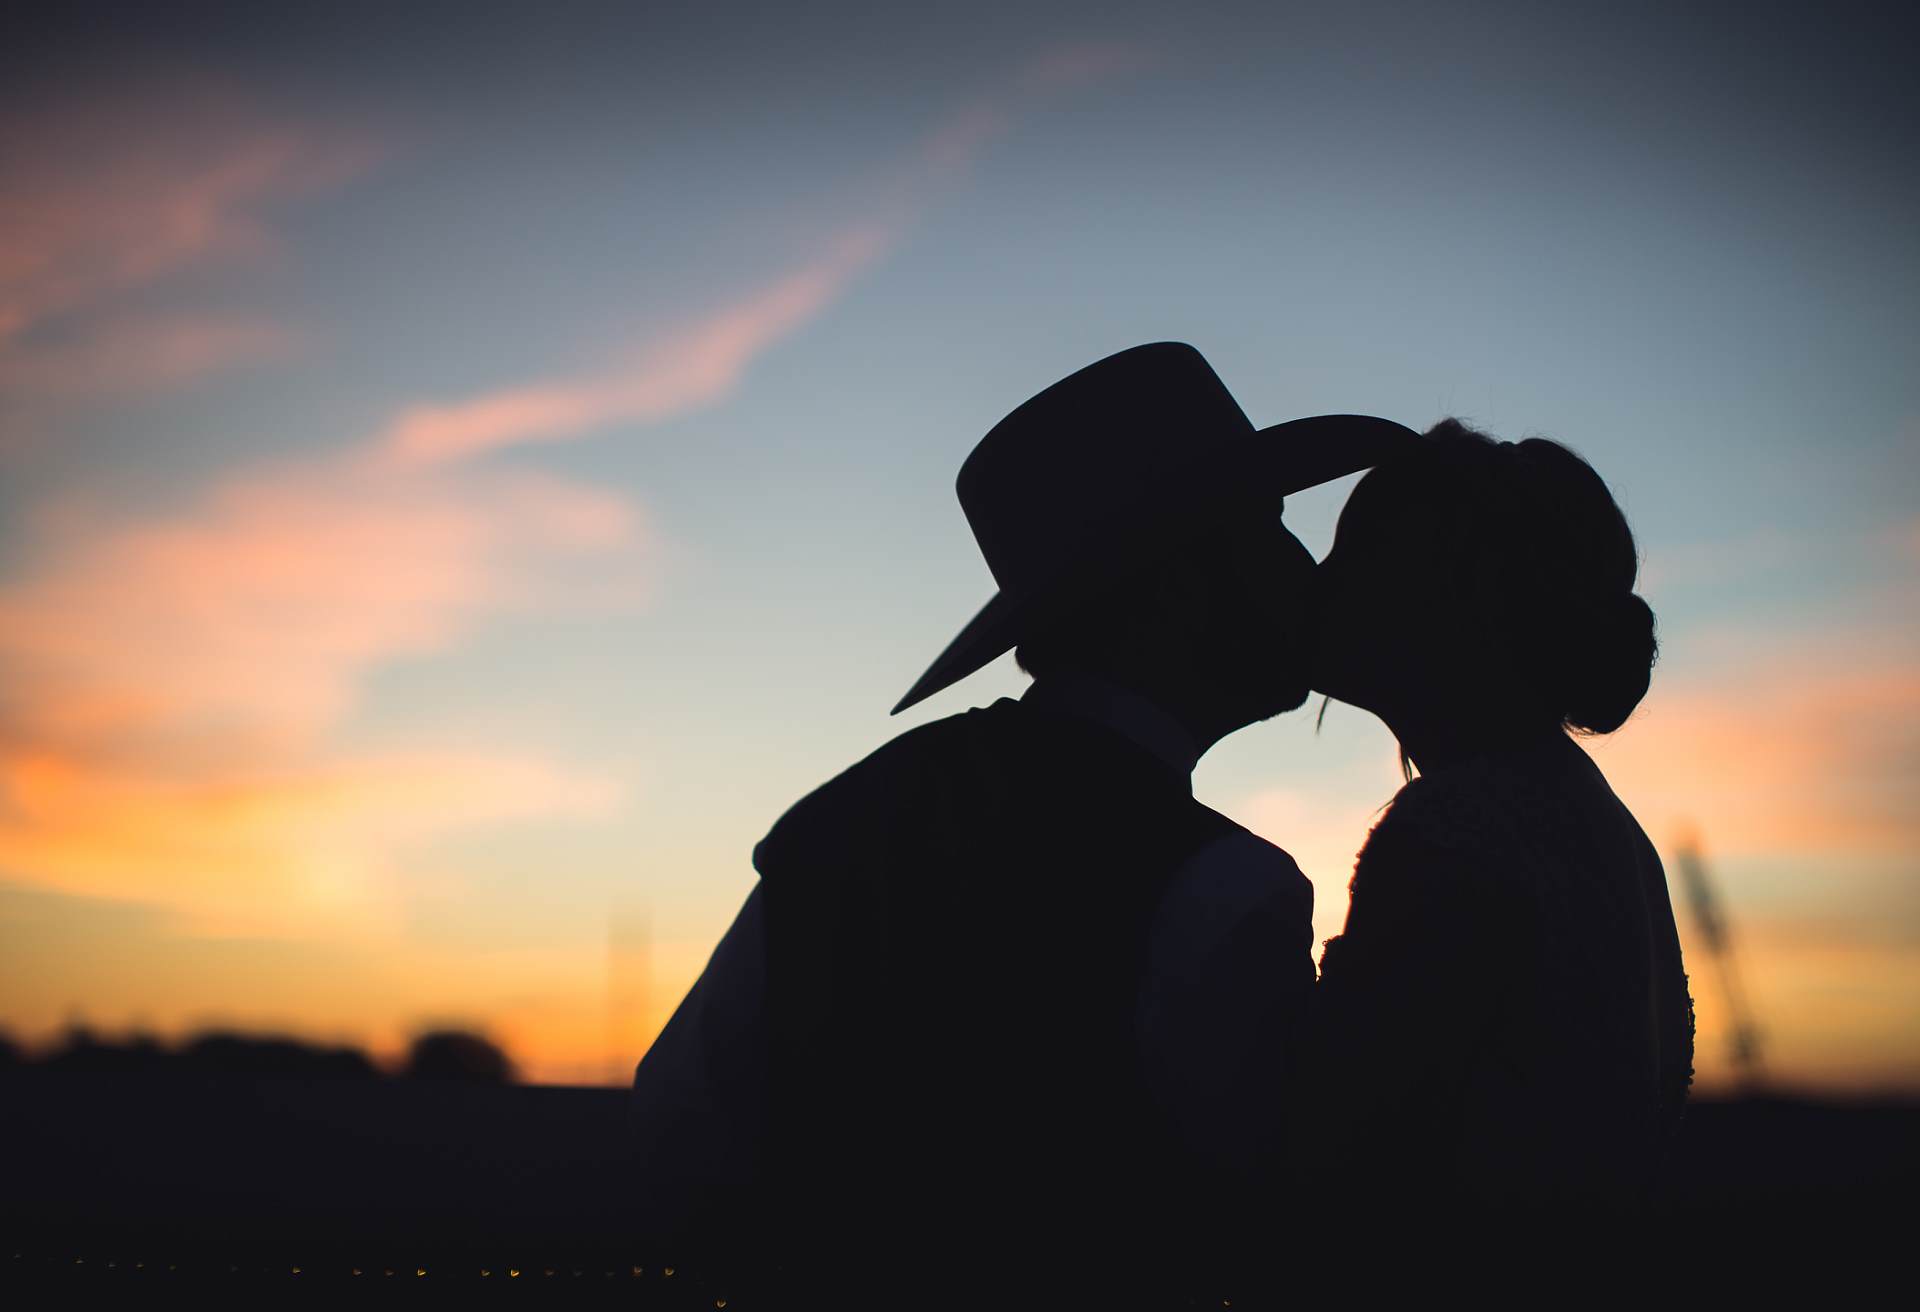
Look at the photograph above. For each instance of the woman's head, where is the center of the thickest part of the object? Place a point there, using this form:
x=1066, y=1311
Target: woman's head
x=1486, y=581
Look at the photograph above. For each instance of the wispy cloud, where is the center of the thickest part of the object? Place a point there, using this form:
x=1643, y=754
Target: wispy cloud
x=171, y=683
x=1808, y=746
x=141, y=353
x=110, y=193
x=692, y=366
x=700, y=362
x=1072, y=67
x=272, y=593
x=171, y=680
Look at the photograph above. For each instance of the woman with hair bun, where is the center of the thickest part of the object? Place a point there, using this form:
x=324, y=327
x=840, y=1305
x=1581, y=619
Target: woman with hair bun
x=1504, y=1021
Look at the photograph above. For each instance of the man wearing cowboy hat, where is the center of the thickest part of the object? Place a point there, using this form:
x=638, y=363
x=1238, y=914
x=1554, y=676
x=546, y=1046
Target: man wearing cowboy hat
x=1005, y=986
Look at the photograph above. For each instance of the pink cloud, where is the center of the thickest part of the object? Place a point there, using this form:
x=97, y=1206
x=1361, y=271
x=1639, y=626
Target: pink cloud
x=675, y=372
x=266, y=600
x=957, y=140
x=1799, y=752
x=701, y=363
x=169, y=682
x=142, y=353
x=112, y=194
x=1072, y=67
x=954, y=144
x=1806, y=750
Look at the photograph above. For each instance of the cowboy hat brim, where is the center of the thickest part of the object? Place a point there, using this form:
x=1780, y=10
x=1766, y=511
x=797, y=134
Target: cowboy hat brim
x=1287, y=458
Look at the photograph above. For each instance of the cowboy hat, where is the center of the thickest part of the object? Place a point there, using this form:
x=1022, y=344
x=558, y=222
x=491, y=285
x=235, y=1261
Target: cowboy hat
x=1095, y=454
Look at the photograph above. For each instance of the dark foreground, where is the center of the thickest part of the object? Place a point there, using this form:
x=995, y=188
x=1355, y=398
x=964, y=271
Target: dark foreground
x=109, y=1178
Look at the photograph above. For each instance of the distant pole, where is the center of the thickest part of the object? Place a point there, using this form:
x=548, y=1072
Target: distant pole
x=1743, y=1036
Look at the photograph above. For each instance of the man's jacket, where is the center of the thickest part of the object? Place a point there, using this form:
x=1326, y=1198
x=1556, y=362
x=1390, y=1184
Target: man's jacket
x=956, y=930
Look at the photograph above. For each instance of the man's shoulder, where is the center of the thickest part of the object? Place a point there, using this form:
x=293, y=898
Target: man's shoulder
x=1237, y=888
x=1231, y=842
x=1238, y=866
x=907, y=771
x=935, y=745
x=1230, y=836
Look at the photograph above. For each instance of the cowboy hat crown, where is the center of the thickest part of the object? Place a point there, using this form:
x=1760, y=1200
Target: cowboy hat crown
x=1096, y=453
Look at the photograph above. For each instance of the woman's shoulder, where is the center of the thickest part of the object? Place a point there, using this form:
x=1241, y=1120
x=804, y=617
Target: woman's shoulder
x=1426, y=844
x=1500, y=786
x=1481, y=817
x=1421, y=886
x=1445, y=812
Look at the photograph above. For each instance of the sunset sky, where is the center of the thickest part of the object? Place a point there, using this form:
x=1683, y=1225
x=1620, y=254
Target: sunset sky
x=465, y=470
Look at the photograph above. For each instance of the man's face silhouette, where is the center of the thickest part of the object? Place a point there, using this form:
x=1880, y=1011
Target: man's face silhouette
x=1281, y=639
x=1253, y=639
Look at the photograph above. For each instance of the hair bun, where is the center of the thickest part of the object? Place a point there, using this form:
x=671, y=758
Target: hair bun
x=1611, y=666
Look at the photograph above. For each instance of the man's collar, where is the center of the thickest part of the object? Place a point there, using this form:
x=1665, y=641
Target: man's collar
x=1122, y=710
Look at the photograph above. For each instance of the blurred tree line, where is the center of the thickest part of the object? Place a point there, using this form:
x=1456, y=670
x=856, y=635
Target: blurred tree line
x=435, y=1054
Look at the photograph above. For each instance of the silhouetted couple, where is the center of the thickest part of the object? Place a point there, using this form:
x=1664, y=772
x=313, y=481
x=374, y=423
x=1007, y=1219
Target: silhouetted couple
x=1008, y=998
